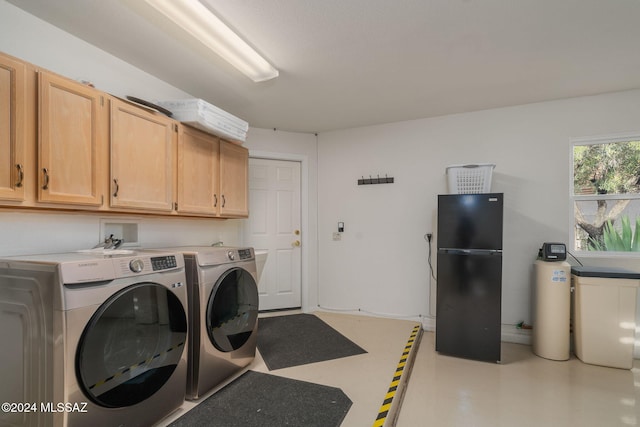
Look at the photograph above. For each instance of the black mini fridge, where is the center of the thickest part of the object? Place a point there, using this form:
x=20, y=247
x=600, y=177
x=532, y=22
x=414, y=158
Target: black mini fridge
x=469, y=275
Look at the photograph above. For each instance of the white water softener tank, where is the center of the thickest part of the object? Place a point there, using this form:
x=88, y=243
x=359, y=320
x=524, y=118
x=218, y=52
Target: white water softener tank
x=552, y=309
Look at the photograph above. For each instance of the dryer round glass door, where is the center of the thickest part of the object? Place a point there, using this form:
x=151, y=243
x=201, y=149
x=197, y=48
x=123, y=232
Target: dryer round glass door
x=131, y=345
x=232, y=310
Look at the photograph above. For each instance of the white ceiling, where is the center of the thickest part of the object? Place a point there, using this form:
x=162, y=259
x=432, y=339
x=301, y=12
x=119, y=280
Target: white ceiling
x=349, y=63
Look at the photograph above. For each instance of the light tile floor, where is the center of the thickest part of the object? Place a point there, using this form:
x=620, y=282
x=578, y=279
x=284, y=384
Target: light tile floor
x=364, y=378
x=524, y=390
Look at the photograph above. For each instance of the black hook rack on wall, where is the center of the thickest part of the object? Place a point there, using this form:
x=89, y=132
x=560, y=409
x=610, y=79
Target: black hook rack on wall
x=378, y=180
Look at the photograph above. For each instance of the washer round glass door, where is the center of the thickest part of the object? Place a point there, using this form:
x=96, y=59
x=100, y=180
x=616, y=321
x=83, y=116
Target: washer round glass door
x=232, y=310
x=131, y=345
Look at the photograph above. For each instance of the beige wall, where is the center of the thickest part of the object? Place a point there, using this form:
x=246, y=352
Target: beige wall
x=380, y=265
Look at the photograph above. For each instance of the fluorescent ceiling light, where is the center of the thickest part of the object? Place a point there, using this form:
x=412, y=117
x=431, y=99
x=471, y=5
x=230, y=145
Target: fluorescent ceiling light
x=198, y=21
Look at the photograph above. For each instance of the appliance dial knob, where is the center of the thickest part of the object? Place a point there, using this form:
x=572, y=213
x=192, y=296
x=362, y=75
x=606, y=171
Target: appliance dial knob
x=136, y=265
x=231, y=255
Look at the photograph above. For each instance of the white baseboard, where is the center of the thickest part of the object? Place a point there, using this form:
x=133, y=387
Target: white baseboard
x=429, y=324
x=508, y=333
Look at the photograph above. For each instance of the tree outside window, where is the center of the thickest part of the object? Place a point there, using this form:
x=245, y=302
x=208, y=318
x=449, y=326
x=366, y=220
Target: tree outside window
x=606, y=195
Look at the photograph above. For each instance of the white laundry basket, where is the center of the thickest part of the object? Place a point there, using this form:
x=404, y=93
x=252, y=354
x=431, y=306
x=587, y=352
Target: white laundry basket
x=470, y=179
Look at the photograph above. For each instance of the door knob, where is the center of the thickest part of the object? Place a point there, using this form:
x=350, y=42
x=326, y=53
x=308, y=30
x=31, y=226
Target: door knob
x=296, y=243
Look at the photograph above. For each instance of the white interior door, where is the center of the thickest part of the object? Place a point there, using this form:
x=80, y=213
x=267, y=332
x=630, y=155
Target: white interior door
x=274, y=226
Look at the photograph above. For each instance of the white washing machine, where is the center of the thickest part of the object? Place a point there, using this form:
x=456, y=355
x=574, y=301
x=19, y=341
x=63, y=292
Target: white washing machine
x=92, y=340
x=223, y=314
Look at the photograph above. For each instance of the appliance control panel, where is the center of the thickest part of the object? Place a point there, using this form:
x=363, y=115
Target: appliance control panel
x=213, y=256
x=163, y=262
x=78, y=268
x=144, y=264
x=239, y=254
x=244, y=253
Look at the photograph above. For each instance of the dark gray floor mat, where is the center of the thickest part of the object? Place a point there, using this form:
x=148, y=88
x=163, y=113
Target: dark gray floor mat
x=298, y=339
x=263, y=400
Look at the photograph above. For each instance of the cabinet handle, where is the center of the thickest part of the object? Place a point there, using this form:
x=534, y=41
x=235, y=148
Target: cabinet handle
x=224, y=201
x=115, y=193
x=45, y=171
x=20, y=175
x=215, y=200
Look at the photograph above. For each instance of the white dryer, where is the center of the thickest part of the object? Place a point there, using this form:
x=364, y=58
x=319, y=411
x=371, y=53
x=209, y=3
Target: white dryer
x=93, y=340
x=223, y=314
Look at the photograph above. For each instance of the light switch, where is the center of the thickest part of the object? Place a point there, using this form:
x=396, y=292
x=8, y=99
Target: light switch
x=341, y=227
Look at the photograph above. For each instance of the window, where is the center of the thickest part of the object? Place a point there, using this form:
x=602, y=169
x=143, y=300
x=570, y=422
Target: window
x=605, y=192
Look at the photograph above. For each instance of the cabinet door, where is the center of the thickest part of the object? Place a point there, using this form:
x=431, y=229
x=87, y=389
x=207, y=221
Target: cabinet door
x=142, y=157
x=234, y=168
x=12, y=128
x=198, y=172
x=70, y=140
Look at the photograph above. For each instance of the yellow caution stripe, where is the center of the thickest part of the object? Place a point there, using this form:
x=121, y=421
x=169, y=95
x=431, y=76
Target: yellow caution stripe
x=386, y=408
x=144, y=362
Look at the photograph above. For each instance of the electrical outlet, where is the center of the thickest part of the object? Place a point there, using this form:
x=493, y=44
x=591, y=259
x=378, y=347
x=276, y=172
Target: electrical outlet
x=337, y=236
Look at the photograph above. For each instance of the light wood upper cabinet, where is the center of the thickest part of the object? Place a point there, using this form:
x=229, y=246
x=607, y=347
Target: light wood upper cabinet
x=198, y=172
x=212, y=175
x=71, y=138
x=234, y=179
x=13, y=115
x=66, y=145
x=143, y=145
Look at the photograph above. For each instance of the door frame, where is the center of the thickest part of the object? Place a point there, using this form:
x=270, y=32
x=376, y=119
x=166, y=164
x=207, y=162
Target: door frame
x=304, y=214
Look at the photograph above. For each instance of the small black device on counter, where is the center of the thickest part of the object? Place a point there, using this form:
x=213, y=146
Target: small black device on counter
x=553, y=252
